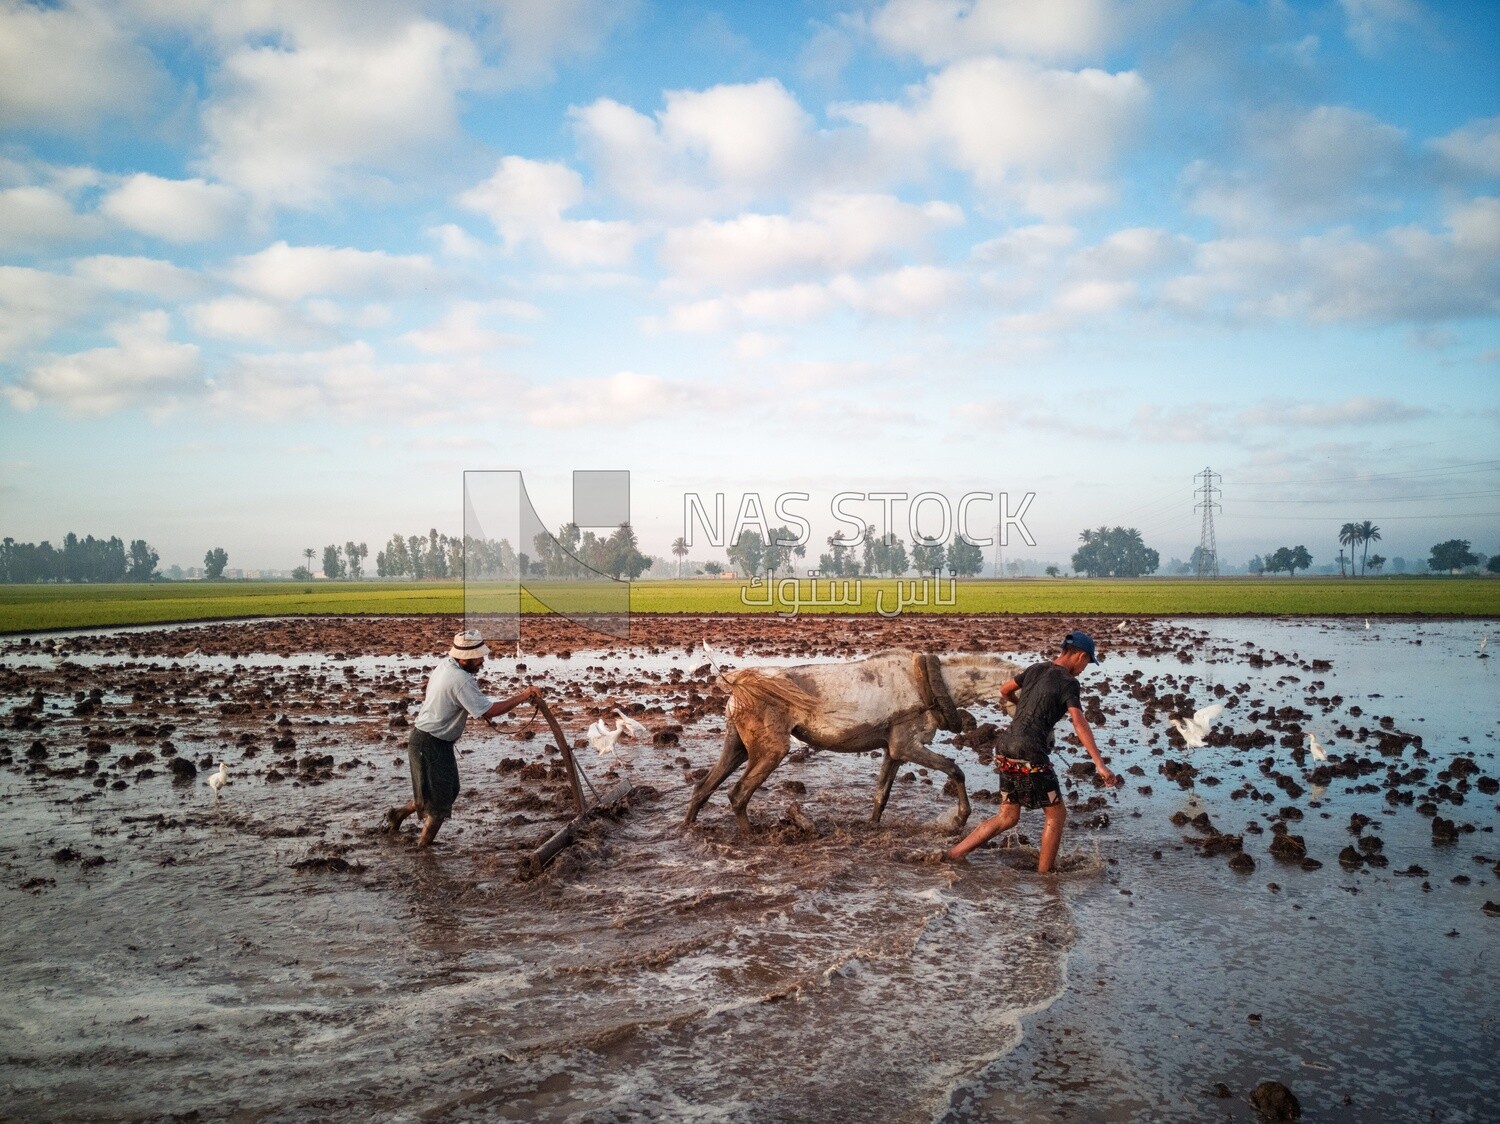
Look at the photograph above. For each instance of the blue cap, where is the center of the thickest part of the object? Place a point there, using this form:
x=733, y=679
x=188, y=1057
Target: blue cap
x=1083, y=642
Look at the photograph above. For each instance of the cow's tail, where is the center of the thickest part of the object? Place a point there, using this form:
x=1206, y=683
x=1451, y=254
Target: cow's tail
x=752, y=685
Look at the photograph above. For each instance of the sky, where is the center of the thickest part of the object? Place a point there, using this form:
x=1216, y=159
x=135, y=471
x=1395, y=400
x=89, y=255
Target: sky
x=274, y=274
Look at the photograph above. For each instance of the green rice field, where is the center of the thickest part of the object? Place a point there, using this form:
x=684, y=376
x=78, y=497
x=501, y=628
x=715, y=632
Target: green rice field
x=39, y=607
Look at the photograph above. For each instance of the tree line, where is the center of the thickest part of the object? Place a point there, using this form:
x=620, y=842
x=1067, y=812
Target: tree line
x=570, y=553
x=77, y=560
x=876, y=555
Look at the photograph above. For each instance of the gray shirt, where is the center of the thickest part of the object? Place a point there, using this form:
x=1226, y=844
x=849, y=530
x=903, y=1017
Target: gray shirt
x=452, y=695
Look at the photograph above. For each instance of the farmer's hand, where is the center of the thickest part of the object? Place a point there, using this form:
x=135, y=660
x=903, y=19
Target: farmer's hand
x=534, y=693
x=1108, y=777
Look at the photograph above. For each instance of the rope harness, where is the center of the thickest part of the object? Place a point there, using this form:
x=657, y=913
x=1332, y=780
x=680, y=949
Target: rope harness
x=935, y=696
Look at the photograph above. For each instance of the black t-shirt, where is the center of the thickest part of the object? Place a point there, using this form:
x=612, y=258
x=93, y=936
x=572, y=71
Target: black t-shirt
x=1047, y=693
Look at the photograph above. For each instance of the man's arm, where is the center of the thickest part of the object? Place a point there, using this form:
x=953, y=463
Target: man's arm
x=1008, y=696
x=1086, y=736
x=505, y=706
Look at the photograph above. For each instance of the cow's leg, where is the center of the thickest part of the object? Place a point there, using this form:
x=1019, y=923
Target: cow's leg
x=906, y=745
x=889, y=766
x=767, y=739
x=732, y=757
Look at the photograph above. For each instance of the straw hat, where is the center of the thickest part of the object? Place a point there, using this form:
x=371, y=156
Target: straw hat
x=469, y=645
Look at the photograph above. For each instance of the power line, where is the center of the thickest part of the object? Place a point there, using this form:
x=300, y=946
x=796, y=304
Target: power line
x=1385, y=518
x=1453, y=470
x=1386, y=498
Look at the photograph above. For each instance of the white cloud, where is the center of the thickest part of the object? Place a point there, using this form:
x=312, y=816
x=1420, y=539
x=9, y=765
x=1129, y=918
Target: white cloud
x=914, y=290
x=464, y=329
x=160, y=279
x=1026, y=247
x=255, y=321
x=1371, y=24
x=353, y=382
x=289, y=273
x=1301, y=167
x=1358, y=410
x=1409, y=273
x=619, y=399
x=1042, y=139
x=753, y=346
x=66, y=67
x=830, y=233
x=38, y=218
x=456, y=242
x=1133, y=252
x=910, y=291
x=175, y=210
x=526, y=200
x=290, y=124
x=1474, y=148
x=940, y=31
x=34, y=304
x=705, y=151
x=534, y=37
x=144, y=368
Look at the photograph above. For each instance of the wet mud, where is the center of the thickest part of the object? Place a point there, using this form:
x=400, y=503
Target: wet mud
x=272, y=954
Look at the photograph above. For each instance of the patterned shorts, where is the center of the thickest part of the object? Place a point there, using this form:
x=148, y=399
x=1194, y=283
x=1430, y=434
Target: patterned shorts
x=1025, y=784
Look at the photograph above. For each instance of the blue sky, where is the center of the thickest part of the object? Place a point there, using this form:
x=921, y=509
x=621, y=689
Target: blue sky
x=274, y=274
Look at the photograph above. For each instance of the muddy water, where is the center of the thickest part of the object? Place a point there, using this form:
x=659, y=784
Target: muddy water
x=797, y=975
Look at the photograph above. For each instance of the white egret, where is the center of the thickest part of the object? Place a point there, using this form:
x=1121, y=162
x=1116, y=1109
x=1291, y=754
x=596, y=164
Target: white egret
x=219, y=779
x=603, y=739
x=1195, y=729
x=1318, y=752
x=713, y=658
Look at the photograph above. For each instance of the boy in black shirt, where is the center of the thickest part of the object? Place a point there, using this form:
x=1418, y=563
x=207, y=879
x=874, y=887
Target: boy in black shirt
x=1047, y=692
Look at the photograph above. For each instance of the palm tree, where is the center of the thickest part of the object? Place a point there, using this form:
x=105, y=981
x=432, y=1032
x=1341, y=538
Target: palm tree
x=308, y=554
x=1348, y=536
x=1368, y=533
x=679, y=548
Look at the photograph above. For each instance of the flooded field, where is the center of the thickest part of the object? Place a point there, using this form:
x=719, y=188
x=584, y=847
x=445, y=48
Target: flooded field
x=272, y=956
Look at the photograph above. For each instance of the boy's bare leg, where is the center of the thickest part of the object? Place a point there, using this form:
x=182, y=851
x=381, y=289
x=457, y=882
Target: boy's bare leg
x=1052, y=833
x=430, y=825
x=1003, y=820
x=395, y=817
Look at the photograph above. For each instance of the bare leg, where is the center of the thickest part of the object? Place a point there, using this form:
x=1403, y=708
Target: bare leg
x=396, y=816
x=1052, y=833
x=1003, y=820
x=430, y=825
x=732, y=757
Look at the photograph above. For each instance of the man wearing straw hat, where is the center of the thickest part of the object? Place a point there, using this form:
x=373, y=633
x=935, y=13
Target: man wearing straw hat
x=453, y=696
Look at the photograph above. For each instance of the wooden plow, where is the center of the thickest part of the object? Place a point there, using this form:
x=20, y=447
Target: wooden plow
x=584, y=806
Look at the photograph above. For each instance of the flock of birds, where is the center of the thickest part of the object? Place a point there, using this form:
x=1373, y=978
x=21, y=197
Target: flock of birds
x=1195, y=730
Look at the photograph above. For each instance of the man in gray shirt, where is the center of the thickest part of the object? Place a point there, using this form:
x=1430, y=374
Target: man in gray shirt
x=453, y=697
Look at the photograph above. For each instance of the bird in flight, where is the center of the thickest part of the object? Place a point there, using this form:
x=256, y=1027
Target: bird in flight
x=1195, y=729
x=603, y=739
